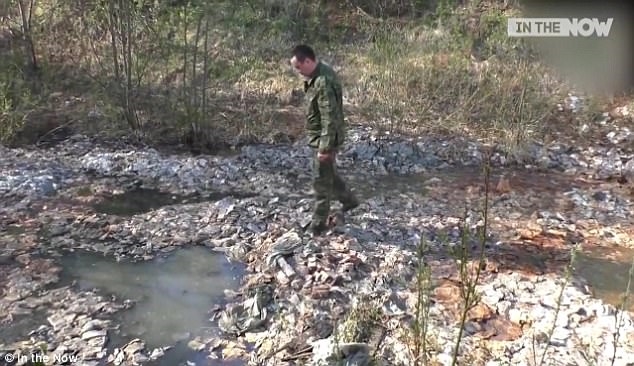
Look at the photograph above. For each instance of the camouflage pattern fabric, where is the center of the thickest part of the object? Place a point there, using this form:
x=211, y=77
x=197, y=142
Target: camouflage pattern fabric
x=326, y=131
x=328, y=185
x=324, y=109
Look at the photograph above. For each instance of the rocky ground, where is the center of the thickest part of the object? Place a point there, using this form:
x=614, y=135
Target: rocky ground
x=357, y=286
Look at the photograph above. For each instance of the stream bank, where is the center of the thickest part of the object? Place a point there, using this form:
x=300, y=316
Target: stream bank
x=250, y=207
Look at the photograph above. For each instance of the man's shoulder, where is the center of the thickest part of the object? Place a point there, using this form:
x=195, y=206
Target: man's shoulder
x=327, y=76
x=329, y=70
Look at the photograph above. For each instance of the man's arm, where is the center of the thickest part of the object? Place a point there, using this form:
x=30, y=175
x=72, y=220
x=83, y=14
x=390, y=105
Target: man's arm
x=327, y=103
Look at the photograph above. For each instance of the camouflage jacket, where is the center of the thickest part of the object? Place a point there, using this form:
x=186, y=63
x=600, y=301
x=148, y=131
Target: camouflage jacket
x=324, y=109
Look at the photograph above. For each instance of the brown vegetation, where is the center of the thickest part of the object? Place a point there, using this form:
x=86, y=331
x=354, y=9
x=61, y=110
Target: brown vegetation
x=213, y=74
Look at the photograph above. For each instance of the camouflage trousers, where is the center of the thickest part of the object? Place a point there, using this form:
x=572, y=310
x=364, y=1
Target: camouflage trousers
x=328, y=186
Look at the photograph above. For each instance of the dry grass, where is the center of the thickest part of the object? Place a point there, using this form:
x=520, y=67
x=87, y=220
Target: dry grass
x=453, y=72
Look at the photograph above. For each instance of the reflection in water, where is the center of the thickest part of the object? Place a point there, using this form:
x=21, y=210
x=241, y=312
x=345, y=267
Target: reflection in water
x=173, y=294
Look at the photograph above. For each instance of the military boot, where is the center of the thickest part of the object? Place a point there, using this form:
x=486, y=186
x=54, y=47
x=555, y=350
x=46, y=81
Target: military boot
x=317, y=228
x=350, y=205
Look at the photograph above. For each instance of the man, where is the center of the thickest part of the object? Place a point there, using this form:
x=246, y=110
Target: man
x=326, y=132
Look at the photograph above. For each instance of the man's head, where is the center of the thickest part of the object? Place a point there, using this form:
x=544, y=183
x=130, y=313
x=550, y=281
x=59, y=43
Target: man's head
x=304, y=60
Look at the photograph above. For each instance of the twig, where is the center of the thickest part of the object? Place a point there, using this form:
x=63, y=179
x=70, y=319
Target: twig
x=303, y=353
x=470, y=295
x=52, y=131
x=567, y=277
x=619, y=319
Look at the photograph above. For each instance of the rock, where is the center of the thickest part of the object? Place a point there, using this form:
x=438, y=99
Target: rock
x=519, y=317
x=254, y=205
x=157, y=353
x=560, y=337
x=196, y=345
x=57, y=321
x=94, y=324
x=93, y=334
x=117, y=357
x=628, y=171
x=133, y=347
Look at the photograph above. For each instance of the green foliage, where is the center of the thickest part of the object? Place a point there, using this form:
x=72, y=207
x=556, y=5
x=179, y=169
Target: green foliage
x=15, y=98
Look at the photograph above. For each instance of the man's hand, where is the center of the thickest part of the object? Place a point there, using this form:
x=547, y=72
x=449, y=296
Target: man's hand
x=326, y=156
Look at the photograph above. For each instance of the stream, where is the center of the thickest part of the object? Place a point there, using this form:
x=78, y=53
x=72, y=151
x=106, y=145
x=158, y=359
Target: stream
x=102, y=261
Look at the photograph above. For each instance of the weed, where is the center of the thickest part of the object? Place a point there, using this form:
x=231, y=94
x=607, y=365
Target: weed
x=423, y=306
x=215, y=75
x=618, y=315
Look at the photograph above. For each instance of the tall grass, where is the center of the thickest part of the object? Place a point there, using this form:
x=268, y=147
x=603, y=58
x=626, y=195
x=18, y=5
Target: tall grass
x=212, y=74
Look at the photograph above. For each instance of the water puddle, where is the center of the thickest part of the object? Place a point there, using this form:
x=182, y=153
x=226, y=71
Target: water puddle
x=140, y=200
x=607, y=271
x=21, y=326
x=548, y=184
x=173, y=295
x=414, y=184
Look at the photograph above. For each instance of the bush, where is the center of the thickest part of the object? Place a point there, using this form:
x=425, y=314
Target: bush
x=210, y=74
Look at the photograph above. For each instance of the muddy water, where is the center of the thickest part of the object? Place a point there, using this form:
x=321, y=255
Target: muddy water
x=173, y=295
x=412, y=184
x=21, y=326
x=608, y=271
x=140, y=200
x=458, y=181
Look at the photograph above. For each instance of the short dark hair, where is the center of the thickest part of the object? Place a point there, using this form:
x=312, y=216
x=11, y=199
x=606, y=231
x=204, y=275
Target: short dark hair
x=302, y=52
